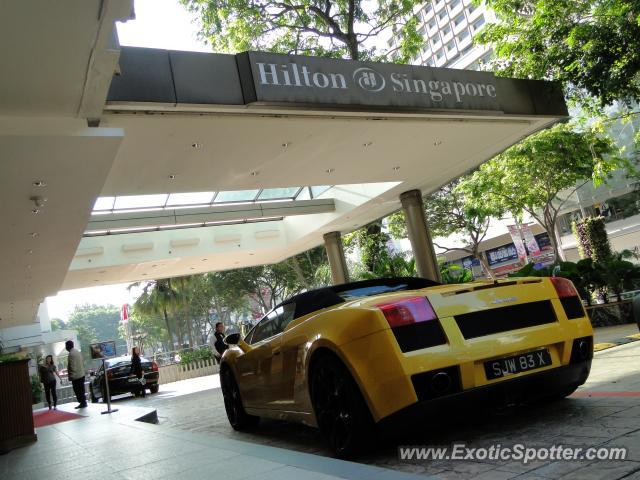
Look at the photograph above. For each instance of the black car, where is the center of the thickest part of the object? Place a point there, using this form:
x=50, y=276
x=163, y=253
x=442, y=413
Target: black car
x=121, y=379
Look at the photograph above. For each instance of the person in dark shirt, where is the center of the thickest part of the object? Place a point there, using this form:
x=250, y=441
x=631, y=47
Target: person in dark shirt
x=48, y=373
x=219, y=345
x=136, y=369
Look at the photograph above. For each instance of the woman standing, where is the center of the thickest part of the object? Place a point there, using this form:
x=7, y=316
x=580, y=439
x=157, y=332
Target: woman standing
x=48, y=374
x=136, y=369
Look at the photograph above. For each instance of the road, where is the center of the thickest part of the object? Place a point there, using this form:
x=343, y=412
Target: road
x=604, y=412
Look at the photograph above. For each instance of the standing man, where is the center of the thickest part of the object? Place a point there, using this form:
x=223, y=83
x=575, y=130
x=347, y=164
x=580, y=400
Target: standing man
x=219, y=344
x=75, y=370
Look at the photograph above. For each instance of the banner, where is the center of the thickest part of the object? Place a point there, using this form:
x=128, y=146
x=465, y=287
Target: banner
x=124, y=313
x=530, y=240
x=517, y=241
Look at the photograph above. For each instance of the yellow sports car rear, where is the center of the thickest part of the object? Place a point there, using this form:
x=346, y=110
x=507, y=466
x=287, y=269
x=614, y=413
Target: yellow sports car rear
x=349, y=357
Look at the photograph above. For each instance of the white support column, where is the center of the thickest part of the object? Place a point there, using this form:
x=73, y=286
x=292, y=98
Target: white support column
x=335, y=254
x=419, y=235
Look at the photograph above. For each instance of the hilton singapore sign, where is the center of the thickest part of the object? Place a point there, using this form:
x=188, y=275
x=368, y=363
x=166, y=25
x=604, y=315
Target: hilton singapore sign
x=312, y=80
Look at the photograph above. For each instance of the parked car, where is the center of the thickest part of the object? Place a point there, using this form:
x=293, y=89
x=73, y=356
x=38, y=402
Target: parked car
x=121, y=380
x=352, y=357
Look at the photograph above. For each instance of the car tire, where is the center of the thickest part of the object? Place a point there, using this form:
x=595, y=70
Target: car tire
x=154, y=388
x=92, y=396
x=238, y=418
x=341, y=412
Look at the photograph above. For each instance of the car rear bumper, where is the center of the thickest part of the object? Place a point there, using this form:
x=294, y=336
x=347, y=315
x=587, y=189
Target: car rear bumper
x=534, y=386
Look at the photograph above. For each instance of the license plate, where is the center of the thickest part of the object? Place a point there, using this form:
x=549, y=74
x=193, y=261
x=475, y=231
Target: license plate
x=134, y=380
x=518, y=363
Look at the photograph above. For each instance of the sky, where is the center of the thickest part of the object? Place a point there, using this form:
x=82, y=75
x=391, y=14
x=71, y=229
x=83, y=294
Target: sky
x=158, y=24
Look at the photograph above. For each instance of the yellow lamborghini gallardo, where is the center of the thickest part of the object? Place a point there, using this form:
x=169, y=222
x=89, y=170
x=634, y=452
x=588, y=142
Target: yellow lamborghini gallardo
x=347, y=357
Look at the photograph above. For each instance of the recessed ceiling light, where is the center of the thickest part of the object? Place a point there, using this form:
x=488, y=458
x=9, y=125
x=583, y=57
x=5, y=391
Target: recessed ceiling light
x=33, y=234
x=395, y=169
x=367, y=144
x=172, y=176
x=330, y=170
x=29, y=267
x=154, y=266
x=144, y=274
x=30, y=252
x=437, y=143
x=196, y=145
x=286, y=144
x=255, y=173
x=193, y=268
x=204, y=259
x=35, y=211
x=39, y=183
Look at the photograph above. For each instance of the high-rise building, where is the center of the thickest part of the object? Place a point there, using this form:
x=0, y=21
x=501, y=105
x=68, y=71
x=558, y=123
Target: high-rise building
x=449, y=27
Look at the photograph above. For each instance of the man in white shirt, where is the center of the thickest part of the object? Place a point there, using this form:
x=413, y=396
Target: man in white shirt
x=75, y=370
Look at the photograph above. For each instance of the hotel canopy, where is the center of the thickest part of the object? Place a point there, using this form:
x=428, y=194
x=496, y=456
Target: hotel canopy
x=123, y=164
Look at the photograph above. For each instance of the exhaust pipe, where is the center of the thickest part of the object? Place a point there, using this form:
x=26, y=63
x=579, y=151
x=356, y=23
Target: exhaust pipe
x=441, y=382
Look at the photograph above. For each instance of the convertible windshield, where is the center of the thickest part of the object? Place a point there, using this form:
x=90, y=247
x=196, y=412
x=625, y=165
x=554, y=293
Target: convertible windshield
x=373, y=290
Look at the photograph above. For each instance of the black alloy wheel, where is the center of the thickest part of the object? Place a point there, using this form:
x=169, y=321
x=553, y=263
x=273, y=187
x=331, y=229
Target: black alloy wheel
x=341, y=412
x=238, y=418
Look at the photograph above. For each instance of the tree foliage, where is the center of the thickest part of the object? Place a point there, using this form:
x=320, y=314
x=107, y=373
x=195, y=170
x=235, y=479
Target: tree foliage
x=327, y=28
x=593, y=46
x=95, y=323
x=539, y=174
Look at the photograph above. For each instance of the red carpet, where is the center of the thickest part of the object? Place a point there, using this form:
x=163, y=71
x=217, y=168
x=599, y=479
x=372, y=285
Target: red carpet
x=42, y=418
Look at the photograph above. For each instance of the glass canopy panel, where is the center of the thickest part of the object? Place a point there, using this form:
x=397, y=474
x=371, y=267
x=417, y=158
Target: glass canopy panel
x=273, y=193
x=192, y=198
x=104, y=203
x=140, y=201
x=236, y=196
x=319, y=190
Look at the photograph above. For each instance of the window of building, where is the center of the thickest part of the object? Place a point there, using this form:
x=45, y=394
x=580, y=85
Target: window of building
x=428, y=8
x=478, y=23
x=471, y=9
x=442, y=14
x=451, y=45
x=446, y=30
x=454, y=4
x=439, y=54
x=458, y=20
x=432, y=24
x=464, y=34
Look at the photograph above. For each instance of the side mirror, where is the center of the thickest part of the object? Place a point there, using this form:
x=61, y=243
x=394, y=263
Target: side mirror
x=232, y=339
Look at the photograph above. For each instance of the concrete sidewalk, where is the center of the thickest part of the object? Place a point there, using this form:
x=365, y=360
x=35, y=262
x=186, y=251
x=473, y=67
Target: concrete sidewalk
x=118, y=447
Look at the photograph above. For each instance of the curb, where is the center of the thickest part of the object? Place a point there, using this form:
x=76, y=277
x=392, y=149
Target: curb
x=598, y=347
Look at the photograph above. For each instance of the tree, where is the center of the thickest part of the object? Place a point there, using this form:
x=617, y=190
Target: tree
x=158, y=297
x=593, y=46
x=95, y=323
x=327, y=28
x=57, y=324
x=147, y=329
x=539, y=174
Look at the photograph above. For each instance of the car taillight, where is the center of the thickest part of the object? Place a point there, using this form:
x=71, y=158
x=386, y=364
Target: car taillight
x=154, y=366
x=407, y=311
x=564, y=287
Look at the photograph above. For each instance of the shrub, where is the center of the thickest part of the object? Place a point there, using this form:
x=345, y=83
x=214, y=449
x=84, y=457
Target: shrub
x=196, y=355
x=593, y=242
x=36, y=389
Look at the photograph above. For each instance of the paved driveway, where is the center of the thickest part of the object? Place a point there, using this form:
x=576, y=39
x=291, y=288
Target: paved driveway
x=604, y=412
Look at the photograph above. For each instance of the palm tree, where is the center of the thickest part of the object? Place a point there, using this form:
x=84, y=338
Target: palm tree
x=184, y=295
x=158, y=297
